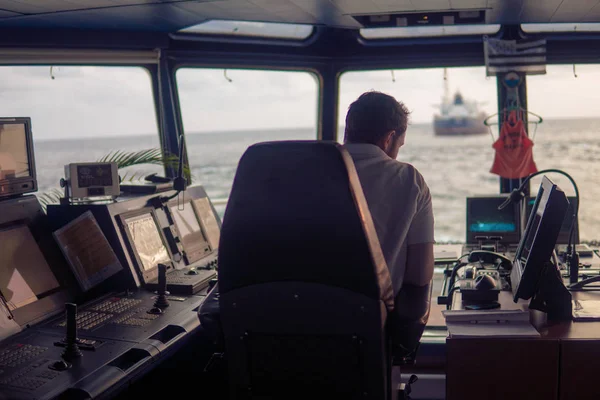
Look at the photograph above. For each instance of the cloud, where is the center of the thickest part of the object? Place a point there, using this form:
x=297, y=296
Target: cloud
x=106, y=101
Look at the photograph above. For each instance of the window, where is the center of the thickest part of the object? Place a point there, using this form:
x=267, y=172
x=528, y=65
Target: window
x=454, y=166
x=428, y=31
x=251, y=28
x=568, y=137
x=226, y=111
x=561, y=27
x=81, y=114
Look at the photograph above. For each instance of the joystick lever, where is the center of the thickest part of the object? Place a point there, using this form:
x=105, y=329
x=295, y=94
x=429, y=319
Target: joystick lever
x=71, y=351
x=161, y=300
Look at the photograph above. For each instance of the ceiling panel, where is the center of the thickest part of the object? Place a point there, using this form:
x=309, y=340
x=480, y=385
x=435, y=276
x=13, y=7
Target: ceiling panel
x=245, y=10
x=593, y=15
x=394, y=5
x=541, y=12
x=327, y=13
x=468, y=4
x=356, y=6
x=573, y=10
x=29, y=6
x=287, y=11
x=165, y=15
x=153, y=17
x=429, y=5
x=504, y=10
x=6, y=14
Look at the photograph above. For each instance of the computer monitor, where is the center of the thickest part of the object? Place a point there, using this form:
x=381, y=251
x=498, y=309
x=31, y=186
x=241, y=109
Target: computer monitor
x=565, y=229
x=25, y=276
x=208, y=219
x=145, y=242
x=87, y=251
x=194, y=242
x=484, y=219
x=17, y=166
x=538, y=241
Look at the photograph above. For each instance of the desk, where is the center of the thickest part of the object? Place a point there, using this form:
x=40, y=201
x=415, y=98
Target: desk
x=563, y=363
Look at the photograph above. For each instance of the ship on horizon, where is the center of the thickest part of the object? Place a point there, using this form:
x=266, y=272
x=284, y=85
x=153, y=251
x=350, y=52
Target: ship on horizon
x=458, y=116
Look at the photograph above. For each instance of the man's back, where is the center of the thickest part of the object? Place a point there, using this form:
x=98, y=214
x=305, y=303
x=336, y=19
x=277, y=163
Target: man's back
x=400, y=204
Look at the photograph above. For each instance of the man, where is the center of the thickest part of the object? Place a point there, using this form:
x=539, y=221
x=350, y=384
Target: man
x=400, y=205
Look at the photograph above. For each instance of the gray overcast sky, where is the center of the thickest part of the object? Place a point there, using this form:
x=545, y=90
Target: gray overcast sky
x=102, y=101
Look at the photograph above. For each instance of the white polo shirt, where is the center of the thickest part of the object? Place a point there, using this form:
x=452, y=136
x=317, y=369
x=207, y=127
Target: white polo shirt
x=400, y=204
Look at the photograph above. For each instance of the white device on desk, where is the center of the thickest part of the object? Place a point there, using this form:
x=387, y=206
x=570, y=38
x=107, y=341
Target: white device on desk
x=91, y=180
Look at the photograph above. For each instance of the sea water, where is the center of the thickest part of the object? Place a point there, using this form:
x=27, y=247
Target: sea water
x=453, y=167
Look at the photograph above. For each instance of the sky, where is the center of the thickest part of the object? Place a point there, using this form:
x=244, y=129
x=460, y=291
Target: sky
x=111, y=101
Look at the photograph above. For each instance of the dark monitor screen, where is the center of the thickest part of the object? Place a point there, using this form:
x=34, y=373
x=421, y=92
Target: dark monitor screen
x=87, y=251
x=16, y=156
x=539, y=239
x=484, y=219
x=192, y=237
x=145, y=241
x=208, y=219
x=25, y=276
x=565, y=229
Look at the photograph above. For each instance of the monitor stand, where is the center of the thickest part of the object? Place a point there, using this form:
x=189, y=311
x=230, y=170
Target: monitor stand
x=552, y=296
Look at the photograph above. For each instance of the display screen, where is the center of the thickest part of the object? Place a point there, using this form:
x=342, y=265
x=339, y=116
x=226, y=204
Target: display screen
x=209, y=221
x=25, y=276
x=483, y=216
x=89, y=254
x=565, y=228
x=147, y=242
x=94, y=175
x=14, y=161
x=194, y=243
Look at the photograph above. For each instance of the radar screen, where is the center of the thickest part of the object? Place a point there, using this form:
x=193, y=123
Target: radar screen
x=146, y=241
x=89, y=254
x=25, y=276
x=193, y=240
x=209, y=222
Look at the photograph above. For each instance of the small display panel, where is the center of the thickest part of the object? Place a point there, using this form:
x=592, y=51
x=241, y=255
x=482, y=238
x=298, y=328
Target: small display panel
x=209, y=222
x=87, y=250
x=194, y=242
x=94, y=175
x=484, y=219
x=25, y=276
x=146, y=241
x=14, y=158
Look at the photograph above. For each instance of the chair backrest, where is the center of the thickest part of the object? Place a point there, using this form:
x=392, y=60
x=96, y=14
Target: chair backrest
x=304, y=288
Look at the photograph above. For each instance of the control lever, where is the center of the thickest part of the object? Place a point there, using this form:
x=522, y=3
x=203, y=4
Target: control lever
x=71, y=351
x=405, y=389
x=161, y=300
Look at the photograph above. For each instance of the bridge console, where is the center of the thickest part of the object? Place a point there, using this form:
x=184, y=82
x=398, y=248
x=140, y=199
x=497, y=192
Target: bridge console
x=95, y=293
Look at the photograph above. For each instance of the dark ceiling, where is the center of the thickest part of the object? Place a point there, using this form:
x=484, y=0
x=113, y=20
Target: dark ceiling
x=172, y=15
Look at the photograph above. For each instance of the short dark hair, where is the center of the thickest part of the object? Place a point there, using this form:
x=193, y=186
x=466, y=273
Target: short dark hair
x=372, y=116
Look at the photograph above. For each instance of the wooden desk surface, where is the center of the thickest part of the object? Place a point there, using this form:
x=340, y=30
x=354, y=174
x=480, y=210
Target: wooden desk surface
x=566, y=330
x=561, y=364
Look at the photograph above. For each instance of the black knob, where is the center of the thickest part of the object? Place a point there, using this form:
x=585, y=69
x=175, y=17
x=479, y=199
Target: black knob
x=162, y=279
x=71, y=351
x=161, y=300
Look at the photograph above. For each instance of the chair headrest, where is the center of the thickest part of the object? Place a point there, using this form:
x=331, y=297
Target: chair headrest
x=297, y=212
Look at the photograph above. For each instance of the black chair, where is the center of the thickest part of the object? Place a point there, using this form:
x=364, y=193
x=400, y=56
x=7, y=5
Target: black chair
x=304, y=287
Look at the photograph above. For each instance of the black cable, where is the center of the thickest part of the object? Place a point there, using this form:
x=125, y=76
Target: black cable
x=455, y=269
x=451, y=296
